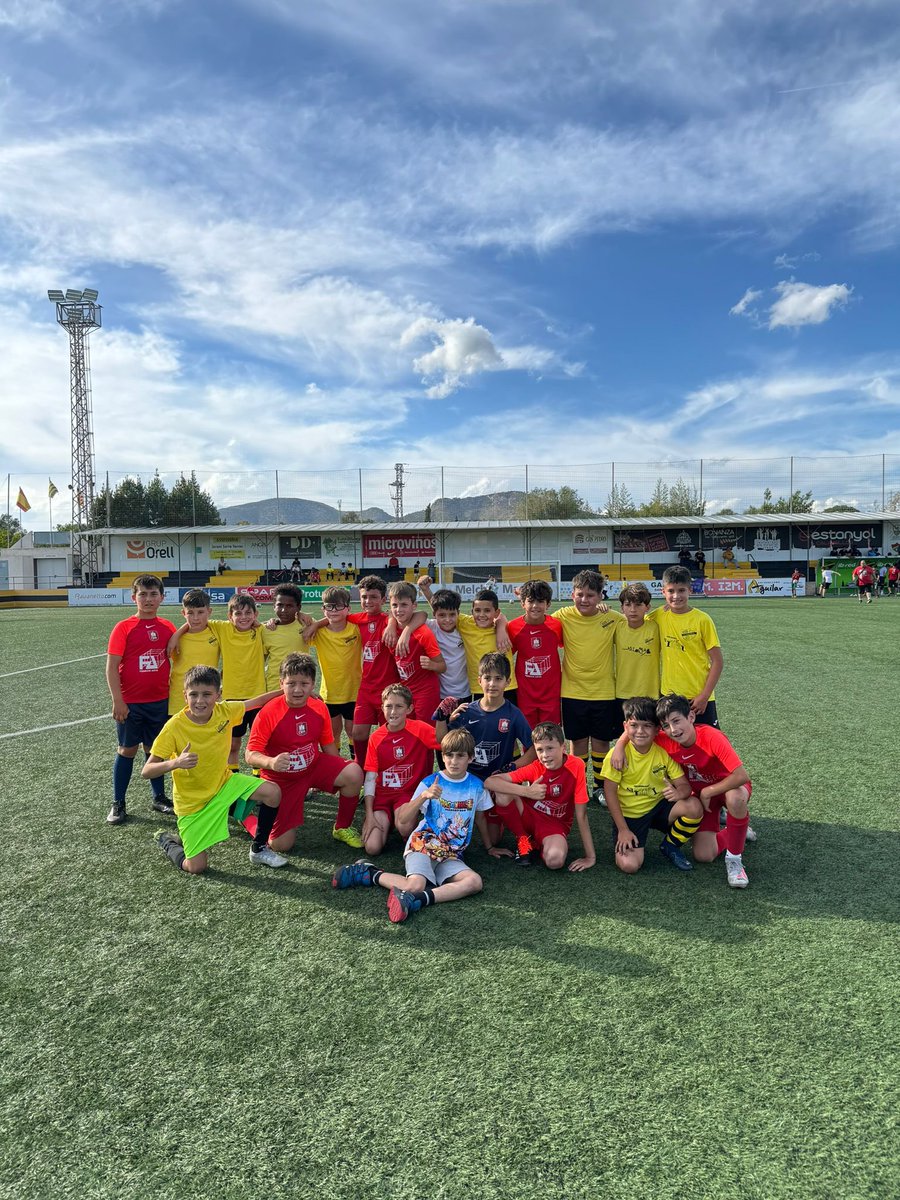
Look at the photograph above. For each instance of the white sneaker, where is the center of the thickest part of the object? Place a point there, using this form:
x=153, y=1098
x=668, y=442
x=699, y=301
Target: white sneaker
x=751, y=835
x=600, y=797
x=737, y=876
x=267, y=857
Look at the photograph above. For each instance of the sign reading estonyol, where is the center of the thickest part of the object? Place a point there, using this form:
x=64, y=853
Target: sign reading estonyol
x=399, y=545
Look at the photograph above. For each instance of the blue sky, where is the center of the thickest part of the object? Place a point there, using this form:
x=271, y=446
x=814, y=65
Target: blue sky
x=346, y=234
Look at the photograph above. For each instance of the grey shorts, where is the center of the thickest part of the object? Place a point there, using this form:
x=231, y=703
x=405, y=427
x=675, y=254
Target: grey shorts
x=435, y=872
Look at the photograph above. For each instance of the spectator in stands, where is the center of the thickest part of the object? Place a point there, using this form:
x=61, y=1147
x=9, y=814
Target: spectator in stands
x=684, y=556
x=296, y=571
x=223, y=566
x=728, y=556
x=430, y=569
x=700, y=562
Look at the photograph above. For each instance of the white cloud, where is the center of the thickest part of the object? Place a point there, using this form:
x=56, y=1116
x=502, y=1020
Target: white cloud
x=745, y=302
x=463, y=349
x=806, y=304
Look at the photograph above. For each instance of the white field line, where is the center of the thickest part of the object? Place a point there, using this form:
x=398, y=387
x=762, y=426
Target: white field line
x=61, y=725
x=48, y=666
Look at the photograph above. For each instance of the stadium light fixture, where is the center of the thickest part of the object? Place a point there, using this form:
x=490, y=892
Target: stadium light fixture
x=56, y=295
x=73, y=295
x=90, y=294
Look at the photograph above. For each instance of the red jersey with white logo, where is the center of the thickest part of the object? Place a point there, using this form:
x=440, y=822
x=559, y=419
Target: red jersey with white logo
x=400, y=760
x=566, y=787
x=378, y=665
x=299, y=732
x=144, y=669
x=424, y=685
x=538, y=669
x=710, y=759
x=864, y=575
x=893, y=574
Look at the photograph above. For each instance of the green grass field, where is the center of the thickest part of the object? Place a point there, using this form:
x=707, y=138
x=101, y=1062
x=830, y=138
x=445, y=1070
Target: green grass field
x=256, y=1034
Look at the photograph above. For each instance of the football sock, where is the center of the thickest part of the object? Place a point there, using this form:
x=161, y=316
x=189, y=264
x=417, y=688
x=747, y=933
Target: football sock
x=265, y=819
x=157, y=786
x=681, y=829
x=735, y=832
x=375, y=873
x=122, y=769
x=597, y=765
x=359, y=752
x=346, y=811
x=175, y=852
x=511, y=817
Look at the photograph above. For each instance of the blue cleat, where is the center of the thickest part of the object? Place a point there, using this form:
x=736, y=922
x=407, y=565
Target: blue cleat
x=676, y=856
x=401, y=903
x=358, y=874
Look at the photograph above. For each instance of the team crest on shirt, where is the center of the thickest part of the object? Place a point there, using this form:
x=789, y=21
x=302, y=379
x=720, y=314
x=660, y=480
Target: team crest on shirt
x=503, y=724
x=536, y=642
x=555, y=790
x=371, y=627
x=301, y=728
x=152, y=635
x=399, y=752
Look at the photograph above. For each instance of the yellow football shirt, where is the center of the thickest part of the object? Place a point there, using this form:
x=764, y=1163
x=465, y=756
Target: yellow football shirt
x=243, y=669
x=211, y=742
x=277, y=645
x=194, y=650
x=477, y=642
x=685, y=642
x=340, y=657
x=642, y=781
x=587, y=669
x=637, y=660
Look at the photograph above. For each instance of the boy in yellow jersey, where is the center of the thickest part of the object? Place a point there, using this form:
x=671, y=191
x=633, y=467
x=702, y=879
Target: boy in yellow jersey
x=339, y=649
x=243, y=669
x=650, y=792
x=690, y=653
x=283, y=634
x=484, y=632
x=592, y=717
x=637, y=646
x=199, y=647
x=194, y=746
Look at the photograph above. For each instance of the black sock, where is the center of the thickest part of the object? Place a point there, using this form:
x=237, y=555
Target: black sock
x=265, y=819
x=175, y=852
x=376, y=873
x=426, y=896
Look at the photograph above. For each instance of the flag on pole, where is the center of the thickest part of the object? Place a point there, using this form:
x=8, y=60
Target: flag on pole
x=22, y=501
x=52, y=490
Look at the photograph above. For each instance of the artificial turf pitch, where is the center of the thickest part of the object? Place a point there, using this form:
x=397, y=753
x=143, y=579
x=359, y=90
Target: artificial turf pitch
x=253, y=1033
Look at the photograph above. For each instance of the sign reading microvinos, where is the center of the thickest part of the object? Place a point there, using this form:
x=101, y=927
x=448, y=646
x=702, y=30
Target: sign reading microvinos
x=399, y=545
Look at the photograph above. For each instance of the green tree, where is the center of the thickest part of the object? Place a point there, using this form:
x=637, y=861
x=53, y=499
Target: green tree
x=619, y=502
x=11, y=530
x=682, y=499
x=552, y=504
x=351, y=517
x=840, y=508
x=427, y=512
x=130, y=505
x=798, y=502
x=156, y=500
x=189, y=504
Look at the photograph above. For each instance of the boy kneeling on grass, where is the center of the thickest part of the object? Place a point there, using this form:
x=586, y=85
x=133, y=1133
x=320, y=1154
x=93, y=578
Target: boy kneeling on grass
x=194, y=746
x=651, y=791
x=451, y=802
x=538, y=803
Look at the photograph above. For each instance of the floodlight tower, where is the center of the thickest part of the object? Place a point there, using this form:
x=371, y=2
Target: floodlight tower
x=396, y=490
x=78, y=312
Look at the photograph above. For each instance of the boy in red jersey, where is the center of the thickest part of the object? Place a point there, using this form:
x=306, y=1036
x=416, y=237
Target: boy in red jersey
x=717, y=777
x=418, y=659
x=292, y=744
x=536, y=639
x=537, y=803
x=400, y=755
x=379, y=668
x=137, y=674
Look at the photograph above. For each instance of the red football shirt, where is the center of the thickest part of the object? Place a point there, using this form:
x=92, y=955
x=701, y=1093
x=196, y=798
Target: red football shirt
x=299, y=732
x=538, y=669
x=710, y=759
x=864, y=575
x=566, y=787
x=144, y=669
x=424, y=685
x=401, y=760
x=378, y=665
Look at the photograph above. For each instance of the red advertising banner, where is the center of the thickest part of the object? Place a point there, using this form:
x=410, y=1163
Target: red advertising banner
x=725, y=587
x=258, y=593
x=399, y=545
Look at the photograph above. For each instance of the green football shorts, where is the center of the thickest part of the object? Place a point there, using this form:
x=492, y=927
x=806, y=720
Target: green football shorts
x=208, y=826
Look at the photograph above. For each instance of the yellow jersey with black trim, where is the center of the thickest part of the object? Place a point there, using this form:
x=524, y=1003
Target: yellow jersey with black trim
x=685, y=640
x=643, y=778
x=587, y=669
x=340, y=657
x=477, y=642
x=211, y=742
x=277, y=645
x=637, y=660
x=194, y=650
x=243, y=667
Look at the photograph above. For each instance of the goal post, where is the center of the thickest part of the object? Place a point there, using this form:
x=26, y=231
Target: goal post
x=468, y=578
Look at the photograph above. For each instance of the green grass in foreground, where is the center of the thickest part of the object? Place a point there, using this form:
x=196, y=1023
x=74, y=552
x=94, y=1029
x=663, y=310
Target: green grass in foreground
x=253, y=1033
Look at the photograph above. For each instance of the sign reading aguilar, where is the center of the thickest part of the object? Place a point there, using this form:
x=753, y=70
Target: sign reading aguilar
x=305, y=546
x=399, y=545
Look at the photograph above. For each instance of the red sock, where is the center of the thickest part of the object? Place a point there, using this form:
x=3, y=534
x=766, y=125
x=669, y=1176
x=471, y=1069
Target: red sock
x=346, y=811
x=359, y=752
x=736, y=833
x=511, y=817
